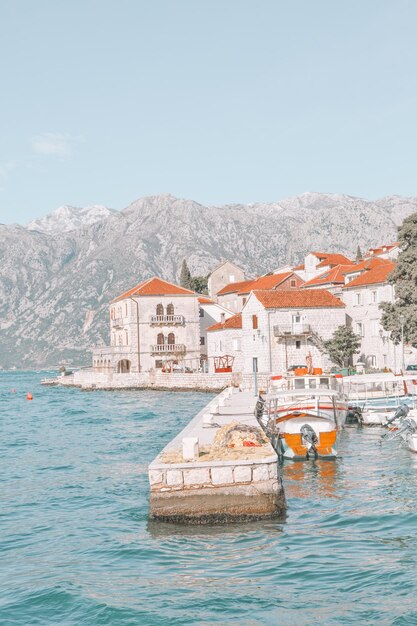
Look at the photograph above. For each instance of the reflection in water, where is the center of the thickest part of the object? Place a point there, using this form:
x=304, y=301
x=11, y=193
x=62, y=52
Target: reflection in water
x=319, y=475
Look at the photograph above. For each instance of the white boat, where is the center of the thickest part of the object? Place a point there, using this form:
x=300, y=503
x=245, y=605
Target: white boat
x=377, y=395
x=303, y=415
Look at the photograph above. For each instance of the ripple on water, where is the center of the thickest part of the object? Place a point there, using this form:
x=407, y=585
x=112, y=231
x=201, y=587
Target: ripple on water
x=79, y=548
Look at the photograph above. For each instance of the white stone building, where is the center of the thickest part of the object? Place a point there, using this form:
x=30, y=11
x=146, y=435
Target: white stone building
x=155, y=325
x=210, y=313
x=224, y=274
x=234, y=296
x=224, y=342
x=388, y=251
x=281, y=328
x=366, y=287
x=316, y=263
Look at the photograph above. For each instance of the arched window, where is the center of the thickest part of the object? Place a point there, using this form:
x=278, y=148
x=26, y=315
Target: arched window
x=170, y=309
x=159, y=309
x=160, y=340
x=171, y=339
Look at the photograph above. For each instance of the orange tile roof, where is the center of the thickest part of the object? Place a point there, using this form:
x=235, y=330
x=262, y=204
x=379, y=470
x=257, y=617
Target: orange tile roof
x=204, y=300
x=299, y=267
x=332, y=259
x=380, y=249
x=377, y=274
x=266, y=282
x=232, y=322
x=234, y=287
x=366, y=265
x=155, y=287
x=335, y=276
x=298, y=299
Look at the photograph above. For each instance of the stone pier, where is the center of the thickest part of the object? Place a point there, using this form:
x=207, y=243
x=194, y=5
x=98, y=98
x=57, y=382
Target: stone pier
x=219, y=485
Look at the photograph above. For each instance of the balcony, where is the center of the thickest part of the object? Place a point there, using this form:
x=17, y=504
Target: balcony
x=292, y=330
x=117, y=323
x=167, y=320
x=168, y=348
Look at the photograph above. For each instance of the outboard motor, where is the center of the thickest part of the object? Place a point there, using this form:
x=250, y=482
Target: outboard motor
x=408, y=426
x=400, y=413
x=309, y=439
x=354, y=415
x=259, y=407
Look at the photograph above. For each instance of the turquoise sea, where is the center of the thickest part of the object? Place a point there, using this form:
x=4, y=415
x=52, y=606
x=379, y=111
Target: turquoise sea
x=76, y=546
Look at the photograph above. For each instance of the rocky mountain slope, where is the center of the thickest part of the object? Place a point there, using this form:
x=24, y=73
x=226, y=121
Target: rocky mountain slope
x=68, y=218
x=58, y=275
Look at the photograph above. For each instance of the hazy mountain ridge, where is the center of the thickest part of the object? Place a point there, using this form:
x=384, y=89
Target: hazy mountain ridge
x=56, y=281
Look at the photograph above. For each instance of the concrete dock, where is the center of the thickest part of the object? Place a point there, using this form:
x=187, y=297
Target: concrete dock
x=233, y=481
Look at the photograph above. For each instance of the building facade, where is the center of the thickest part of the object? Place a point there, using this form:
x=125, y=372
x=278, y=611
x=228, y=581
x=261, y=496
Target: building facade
x=224, y=274
x=155, y=325
x=280, y=329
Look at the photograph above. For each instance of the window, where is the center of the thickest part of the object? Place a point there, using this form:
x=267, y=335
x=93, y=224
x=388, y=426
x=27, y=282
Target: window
x=375, y=328
x=126, y=309
x=358, y=298
x=158, y=364
x=296, y=319
x=160, y=340
x=202, y=341
x=374, y=296
x=171, y=339
x=254, y=321
x=127, y=337
x=170, y=309
x=159, y=309
x=120, y=340
x=372, y=360
x=237, y=344
x=298, y=345
x=201, y=312
x=360, y=329
x=293, y=283
x=232, y=278
x=244, y=301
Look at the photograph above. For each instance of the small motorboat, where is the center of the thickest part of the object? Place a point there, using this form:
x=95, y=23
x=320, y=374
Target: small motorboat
x=302, y=418
x=402, y=425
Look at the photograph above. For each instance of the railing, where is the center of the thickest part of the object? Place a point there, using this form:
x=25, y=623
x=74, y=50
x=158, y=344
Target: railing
x=168, y=348
x=167, y=319
x=117, y=323
x=292, y=329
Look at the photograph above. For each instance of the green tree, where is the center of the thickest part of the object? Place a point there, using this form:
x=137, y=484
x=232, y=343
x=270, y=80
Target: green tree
x=343, y=345
x=185, y=276
x=358, y=253
x=199, y=284
x=402, y=314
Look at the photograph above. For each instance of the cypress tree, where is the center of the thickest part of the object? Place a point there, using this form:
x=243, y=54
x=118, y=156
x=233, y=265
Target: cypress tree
x=185, y=276
x=403, y=312
x=358, y=253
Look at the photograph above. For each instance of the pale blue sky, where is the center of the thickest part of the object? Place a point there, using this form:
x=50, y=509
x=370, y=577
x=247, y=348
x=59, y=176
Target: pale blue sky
x=105, y=101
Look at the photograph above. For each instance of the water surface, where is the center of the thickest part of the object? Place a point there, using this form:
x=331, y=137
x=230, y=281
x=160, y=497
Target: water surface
x=76, y=546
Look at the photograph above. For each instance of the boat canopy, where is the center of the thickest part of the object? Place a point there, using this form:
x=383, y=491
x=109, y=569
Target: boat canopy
x=302, y=393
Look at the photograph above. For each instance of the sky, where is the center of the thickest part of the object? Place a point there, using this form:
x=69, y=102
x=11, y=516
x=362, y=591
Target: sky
x=221, y=101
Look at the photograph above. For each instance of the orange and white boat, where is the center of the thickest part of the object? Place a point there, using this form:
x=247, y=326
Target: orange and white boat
x=303, y=414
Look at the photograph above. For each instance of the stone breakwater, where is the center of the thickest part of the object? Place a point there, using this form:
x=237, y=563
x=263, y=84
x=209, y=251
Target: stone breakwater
x=246, y=486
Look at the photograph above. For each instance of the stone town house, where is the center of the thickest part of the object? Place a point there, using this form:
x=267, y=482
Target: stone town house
x=281, y=328
x=154, y=325
x=234, y=295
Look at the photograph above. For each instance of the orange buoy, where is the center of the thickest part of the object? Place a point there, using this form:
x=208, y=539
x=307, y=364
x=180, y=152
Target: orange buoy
x=29, y=396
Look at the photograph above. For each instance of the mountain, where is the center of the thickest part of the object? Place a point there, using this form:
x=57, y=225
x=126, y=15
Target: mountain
x=68, y=218
x=57, y=279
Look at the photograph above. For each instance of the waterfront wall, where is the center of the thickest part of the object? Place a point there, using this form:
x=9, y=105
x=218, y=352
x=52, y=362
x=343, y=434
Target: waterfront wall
x=88, y=379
